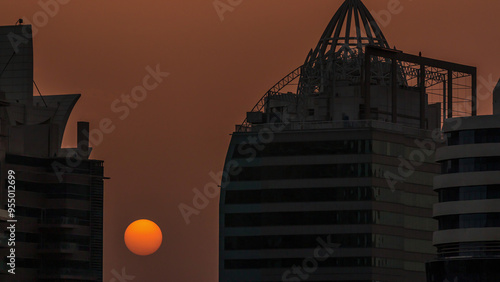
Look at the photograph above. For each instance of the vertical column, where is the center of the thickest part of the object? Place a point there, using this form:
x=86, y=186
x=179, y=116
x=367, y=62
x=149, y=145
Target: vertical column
x=444, y=99
x=394, y=79
x=83, y=139
x=367, y=85
x=474, y=94
x=450, y=94
x=422, y=97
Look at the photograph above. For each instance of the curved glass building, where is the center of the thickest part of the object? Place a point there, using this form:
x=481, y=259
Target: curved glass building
x=468, y=240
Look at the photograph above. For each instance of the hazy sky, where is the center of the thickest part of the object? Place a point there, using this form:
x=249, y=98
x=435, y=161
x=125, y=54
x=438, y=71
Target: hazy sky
x=169, y=143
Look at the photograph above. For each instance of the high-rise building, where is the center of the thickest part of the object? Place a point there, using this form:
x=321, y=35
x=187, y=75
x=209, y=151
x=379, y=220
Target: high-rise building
x=53, y=195
x=333, y=182
x=468, y=240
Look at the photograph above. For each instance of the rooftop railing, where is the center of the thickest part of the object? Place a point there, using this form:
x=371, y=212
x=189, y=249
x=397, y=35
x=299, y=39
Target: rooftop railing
x=328, y=125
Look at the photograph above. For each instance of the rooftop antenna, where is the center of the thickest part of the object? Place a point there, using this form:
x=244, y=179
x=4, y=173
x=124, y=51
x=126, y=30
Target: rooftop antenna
x=19, y=22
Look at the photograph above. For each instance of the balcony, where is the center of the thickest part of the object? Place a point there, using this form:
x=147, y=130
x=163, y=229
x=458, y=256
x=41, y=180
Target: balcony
x=331, y=125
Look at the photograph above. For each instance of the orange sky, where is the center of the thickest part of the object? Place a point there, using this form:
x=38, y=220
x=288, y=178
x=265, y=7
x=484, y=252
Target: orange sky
x=218, y=71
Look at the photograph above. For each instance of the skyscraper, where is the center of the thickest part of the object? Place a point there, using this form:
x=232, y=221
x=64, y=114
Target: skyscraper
x=53, y=195
x=468, y=240
x=333, y=182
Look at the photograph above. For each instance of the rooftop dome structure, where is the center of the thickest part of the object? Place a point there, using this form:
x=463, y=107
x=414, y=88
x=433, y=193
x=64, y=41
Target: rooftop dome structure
x=337, y=60
x=354, y=74
x=339, y=53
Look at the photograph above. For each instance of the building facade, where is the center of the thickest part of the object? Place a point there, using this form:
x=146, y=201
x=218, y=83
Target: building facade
x=53, y=195
x=468, y=240
x=333, y=182
x=327, y=185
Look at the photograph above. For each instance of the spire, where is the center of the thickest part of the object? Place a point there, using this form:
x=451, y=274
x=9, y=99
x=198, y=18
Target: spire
x=339, y=52
x=352, y=27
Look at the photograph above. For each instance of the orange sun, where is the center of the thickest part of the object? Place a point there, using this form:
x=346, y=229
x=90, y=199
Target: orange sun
x=143, y=237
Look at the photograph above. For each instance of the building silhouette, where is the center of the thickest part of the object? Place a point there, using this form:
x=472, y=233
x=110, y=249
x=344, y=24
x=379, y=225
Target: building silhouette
x=58, y=212
x=330, y=176
x=468, y=239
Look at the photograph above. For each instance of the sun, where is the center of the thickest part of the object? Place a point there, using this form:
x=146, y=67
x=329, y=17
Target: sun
x=143, y=237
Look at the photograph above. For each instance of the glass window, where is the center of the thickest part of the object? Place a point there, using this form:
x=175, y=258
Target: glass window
x=478, y=136
x=332, y=147
x=479, y=220
x=295, y=241
x=468, y=193
x=302, y=172
x=289, y=262
x=299, y=195
x=298, y=218
x=471, y=165
x=466, y=137
x=471, y=249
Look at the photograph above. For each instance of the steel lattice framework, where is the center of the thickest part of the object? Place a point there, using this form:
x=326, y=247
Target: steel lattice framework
x=275, y=90
x=341, y=56
x=339, y=53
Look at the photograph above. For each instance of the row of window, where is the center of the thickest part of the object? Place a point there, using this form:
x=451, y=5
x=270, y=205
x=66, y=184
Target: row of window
x=79, y=217
x=354, y=170
x=73, y=264
x=364, y=193
x=303, y=172
x=37, y=263
x=330, y=218
x=67, y=238
x=298, y=218
x=396, y=150
x=332, y=147
x=471, y=249
x=329, y=194
x=307, y=241
x=289, y=262
x=52, y=213
x=83, y=242
x=296, y=241
x=56, y=190
x=468, y=193
x=478, y=269
x=59, y=163
x=471, y=165
x=477, y=136
x=477, y=220
x=55, y=213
